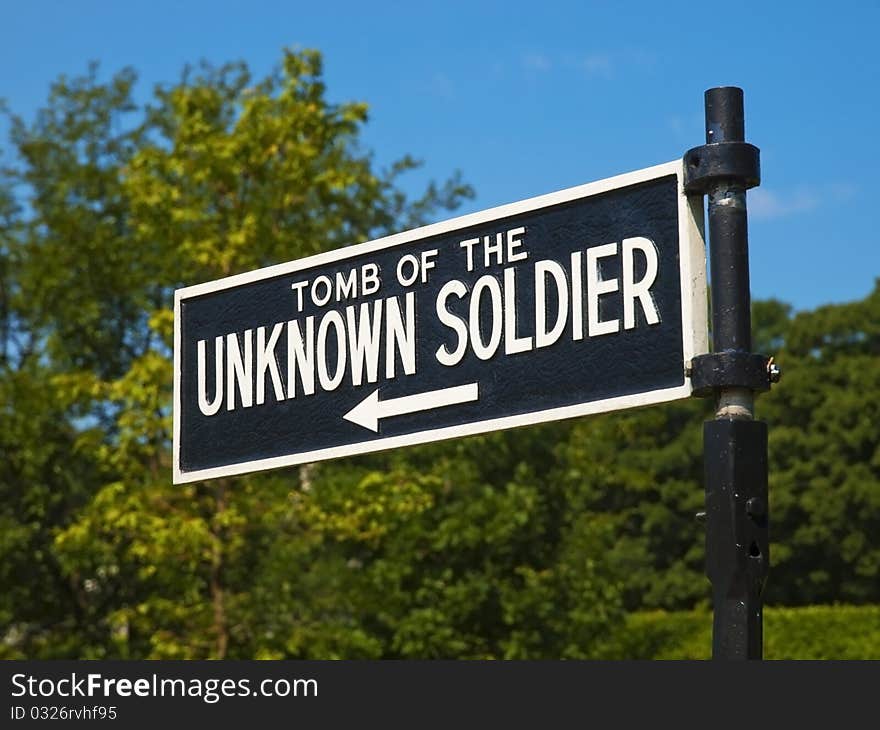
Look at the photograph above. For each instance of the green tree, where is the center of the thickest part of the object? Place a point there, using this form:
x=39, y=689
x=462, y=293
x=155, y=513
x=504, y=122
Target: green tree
x=825, y=457
x=642, y=472
x=123, y=204
x=434, y=552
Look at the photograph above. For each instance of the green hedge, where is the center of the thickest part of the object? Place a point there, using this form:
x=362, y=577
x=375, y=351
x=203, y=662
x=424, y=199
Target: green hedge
x=812, y=632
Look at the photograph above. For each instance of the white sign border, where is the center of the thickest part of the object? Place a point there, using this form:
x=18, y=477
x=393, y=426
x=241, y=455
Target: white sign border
x=692, y=258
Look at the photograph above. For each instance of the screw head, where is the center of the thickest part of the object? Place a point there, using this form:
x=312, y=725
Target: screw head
x=774, y=371
x=755, y=507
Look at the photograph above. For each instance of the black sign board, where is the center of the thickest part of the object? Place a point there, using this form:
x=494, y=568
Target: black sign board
x=586, y=300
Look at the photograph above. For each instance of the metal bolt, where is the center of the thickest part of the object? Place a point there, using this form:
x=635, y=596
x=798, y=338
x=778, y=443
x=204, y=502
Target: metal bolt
x=774, y=371
x=755, y=507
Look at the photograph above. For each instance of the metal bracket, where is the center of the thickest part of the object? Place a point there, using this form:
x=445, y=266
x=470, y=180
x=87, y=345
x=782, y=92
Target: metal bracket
x=729, y=369
x=709, y=164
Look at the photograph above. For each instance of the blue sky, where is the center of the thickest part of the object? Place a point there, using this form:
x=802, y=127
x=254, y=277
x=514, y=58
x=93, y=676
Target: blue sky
x=527, y=98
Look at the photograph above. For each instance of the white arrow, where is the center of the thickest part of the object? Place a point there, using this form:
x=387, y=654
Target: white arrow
x=371, y=410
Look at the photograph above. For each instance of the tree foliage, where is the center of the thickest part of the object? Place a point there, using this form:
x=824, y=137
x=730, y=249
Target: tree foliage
x=431, y=555
x=825, y=457
x=802, y=633
x=111, y=206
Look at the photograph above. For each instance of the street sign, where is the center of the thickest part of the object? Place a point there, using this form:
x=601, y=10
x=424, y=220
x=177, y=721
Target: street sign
x=585, y=300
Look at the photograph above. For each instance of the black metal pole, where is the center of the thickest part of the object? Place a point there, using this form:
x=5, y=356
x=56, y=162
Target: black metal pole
x=728, y=229
x=735, y=445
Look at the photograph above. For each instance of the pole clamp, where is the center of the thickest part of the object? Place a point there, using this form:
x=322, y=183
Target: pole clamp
x=709, y=164
x=729, y=369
